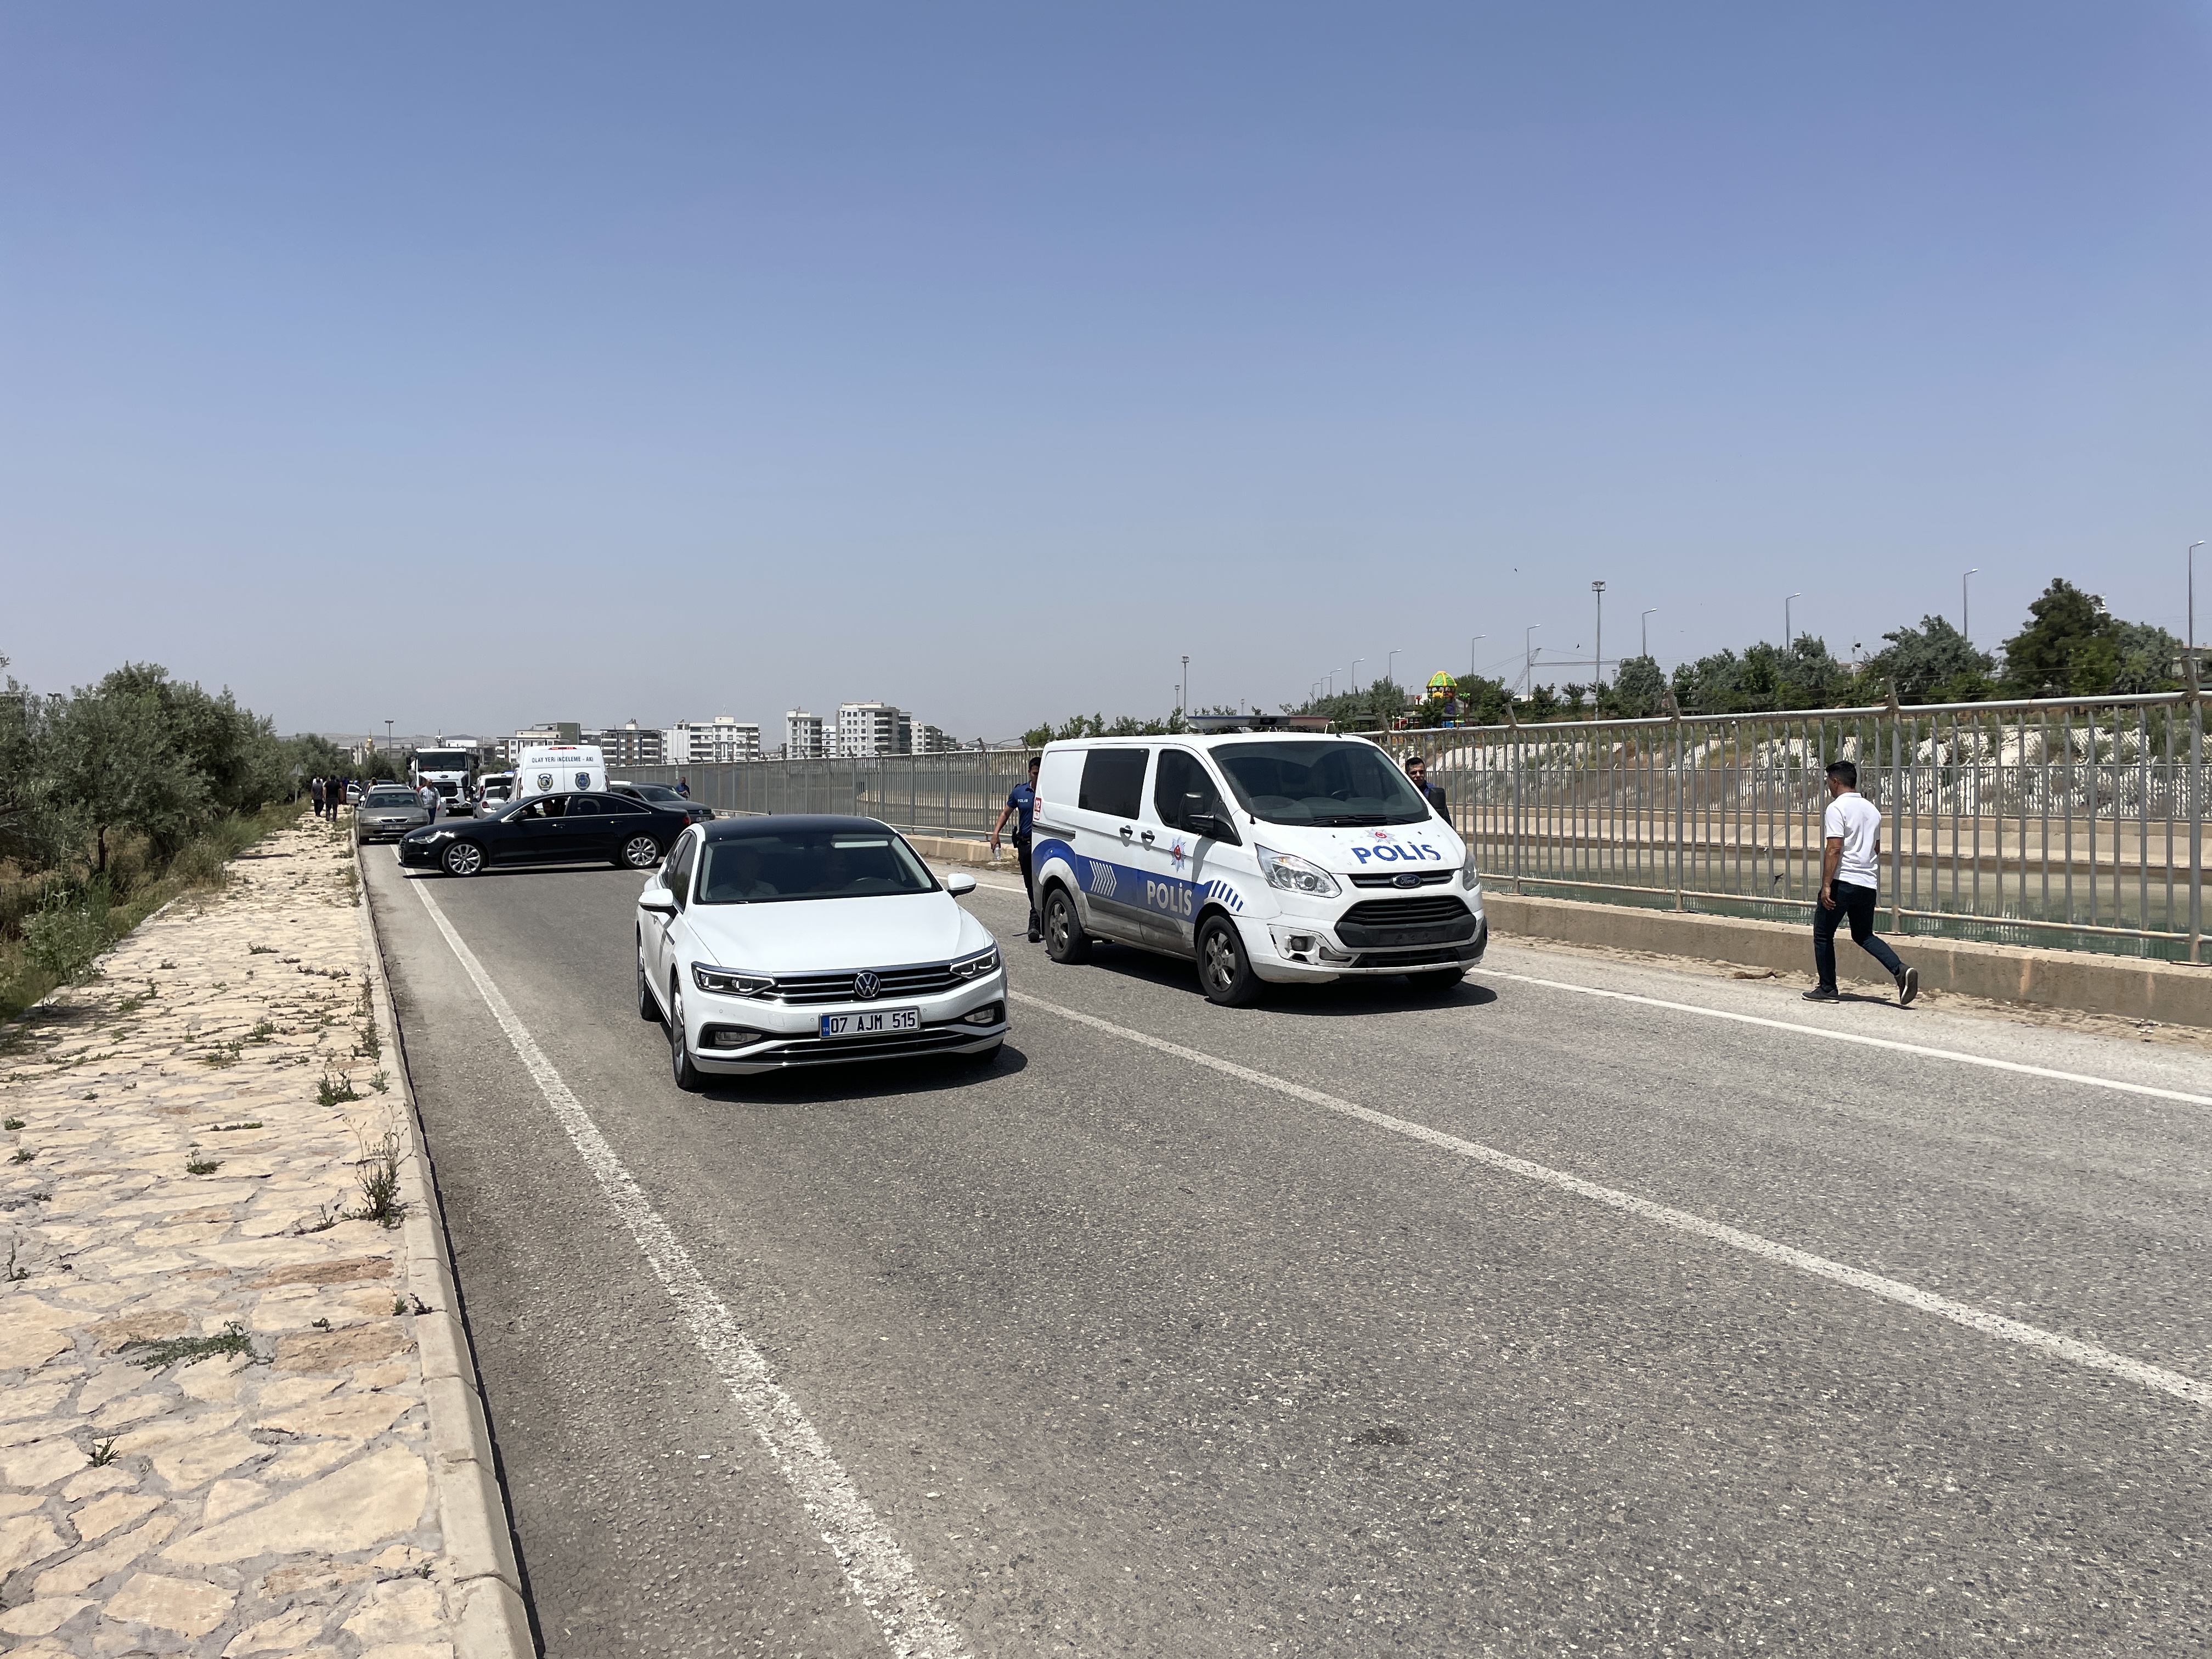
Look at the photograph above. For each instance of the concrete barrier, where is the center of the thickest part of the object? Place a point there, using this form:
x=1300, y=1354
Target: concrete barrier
x=2172, y=994
x=958, y=850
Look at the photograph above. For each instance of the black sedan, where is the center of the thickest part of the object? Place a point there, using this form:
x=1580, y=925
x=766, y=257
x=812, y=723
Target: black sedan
x=660, y=795
x=572, y=828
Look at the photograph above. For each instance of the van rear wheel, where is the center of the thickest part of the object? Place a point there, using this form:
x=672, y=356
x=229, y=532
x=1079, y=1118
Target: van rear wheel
x=1223, y=969
x=1064, y=938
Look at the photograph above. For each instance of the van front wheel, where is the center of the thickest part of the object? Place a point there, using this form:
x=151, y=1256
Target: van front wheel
x=1223, y=969
x=1064, y=938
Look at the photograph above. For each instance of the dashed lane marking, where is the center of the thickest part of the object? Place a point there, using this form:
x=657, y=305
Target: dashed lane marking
x=2085, y=1354
x=879, y=1571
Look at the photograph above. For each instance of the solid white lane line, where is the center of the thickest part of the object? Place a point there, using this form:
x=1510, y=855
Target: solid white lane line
x=1863, y=1040
x=2085, y=1354
x=879, y=1571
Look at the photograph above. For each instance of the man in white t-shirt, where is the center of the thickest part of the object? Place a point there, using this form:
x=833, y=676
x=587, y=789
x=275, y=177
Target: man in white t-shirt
x=1850, y=886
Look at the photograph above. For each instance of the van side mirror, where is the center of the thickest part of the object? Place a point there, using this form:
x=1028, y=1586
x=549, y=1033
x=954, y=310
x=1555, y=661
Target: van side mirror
x=1197, y=819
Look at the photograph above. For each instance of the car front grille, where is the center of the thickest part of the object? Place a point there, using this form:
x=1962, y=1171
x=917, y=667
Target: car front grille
x=926, y=980
x=1421, y=879
x=1401, y=924
x=826, y=1051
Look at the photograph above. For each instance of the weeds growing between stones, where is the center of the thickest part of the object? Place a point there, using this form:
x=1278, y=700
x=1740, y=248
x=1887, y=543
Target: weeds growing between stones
x=379, y=1177
x=232, y=1339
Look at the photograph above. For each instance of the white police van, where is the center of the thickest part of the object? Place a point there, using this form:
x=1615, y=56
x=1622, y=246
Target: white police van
x=1267, y=855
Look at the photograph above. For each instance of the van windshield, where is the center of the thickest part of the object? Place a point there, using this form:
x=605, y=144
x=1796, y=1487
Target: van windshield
x=1322, y=782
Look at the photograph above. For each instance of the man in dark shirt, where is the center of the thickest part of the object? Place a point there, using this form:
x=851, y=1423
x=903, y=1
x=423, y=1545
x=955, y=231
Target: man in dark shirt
x=1416, y=774
x=1021, y=806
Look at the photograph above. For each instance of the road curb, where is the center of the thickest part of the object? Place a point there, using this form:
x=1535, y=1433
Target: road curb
x=490, y=1619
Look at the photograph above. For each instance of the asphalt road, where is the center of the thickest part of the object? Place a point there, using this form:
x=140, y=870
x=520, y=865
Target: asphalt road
x=1136, y=1350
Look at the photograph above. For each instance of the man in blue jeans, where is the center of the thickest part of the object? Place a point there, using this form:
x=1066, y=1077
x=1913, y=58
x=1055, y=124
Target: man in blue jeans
x=1850, y=883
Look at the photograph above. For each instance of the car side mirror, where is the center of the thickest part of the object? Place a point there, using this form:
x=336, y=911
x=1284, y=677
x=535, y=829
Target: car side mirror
x=1197, y=819
x=959, y=884
x=659, y=900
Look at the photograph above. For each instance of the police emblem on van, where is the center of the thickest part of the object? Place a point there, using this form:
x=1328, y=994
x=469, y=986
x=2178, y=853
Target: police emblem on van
x=544, y=780
x=583, y=780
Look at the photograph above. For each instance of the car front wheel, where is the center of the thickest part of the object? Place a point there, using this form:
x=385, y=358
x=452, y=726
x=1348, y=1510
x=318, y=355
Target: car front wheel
x=648, y=1009
x=679, y=1049
x=463, y=858
x=639, y=852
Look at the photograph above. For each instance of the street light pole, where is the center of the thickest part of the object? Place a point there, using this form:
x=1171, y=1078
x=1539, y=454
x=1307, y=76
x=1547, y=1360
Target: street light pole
x=1528, y=661
x=1598, y=665
x=1356, y=661
x=1786, y=635
x=1966, y=623
x=1183, y=695
x=1471, y=644
x=1390, y=666
x=1333, y=673
x=2193, y=546
x=1644, y=623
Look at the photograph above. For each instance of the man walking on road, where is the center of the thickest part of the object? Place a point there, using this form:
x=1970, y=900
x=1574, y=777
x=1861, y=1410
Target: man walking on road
x=1416, y=774
x=1850, y=883
x=1021, y=805
x=316, y=789
x=428, y=797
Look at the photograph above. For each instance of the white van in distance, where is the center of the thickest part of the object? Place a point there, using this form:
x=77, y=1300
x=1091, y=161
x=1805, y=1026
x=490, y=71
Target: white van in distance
x=558, y=768
x=1266, y=856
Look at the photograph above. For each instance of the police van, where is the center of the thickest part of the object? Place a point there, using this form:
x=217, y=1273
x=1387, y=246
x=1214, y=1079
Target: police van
x=1268, y=856
x=555, y=769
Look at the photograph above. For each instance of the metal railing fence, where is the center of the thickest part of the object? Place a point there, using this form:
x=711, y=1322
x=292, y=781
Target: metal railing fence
x=2074, y=824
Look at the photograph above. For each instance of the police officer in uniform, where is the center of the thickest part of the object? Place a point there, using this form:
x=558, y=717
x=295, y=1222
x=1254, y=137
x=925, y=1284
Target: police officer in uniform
x=1021, y=806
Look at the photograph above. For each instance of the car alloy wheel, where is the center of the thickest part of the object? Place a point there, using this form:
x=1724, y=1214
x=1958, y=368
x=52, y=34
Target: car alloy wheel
x=640, y=852
x=648, y=1009
x=680, y=1047
x=463, y=858
x=1225, y=974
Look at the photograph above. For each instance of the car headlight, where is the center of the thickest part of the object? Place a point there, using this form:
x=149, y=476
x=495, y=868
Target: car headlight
x=977, y=966
x=1467, y=878
x=1293, y=874
x=729, y=982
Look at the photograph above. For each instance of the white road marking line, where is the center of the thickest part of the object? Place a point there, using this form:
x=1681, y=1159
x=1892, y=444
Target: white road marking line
x=2085, y=1354
x=1864, y=1041
x=879, y=1571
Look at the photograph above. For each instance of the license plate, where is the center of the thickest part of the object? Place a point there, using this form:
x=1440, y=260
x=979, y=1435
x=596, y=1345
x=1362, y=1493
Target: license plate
x=875, y=1022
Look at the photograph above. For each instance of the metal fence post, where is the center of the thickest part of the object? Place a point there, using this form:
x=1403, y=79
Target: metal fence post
x=1896, y=813
x=2195, y=813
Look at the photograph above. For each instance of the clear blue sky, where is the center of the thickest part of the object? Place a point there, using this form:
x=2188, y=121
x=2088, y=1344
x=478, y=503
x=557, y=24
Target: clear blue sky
x=467, y=366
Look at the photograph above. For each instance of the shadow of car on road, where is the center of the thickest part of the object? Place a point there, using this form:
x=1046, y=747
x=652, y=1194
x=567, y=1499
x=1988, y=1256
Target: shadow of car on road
x=863, y=1080
x=1344, y=998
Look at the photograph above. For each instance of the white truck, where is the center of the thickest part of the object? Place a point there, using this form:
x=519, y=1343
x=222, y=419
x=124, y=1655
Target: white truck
x=446, y=771
x=557, y=768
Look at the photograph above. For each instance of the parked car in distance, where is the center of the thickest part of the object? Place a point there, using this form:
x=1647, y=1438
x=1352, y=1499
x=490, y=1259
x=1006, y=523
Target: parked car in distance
x=388, y=812
x=771, y=943
x=660, y=795
x=578, y=826
x=494, y=791
x=353, y=794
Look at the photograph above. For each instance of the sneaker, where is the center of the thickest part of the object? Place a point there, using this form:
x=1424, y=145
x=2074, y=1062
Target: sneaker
x=1037, y=934
x=1908, y=987
x=1823, y=993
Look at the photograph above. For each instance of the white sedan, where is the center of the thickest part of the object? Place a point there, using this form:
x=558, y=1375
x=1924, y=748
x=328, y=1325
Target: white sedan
x=767, y=944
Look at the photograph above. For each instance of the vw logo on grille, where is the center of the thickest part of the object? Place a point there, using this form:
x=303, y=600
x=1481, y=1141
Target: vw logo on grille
x=865, y=986
x=1405, y=879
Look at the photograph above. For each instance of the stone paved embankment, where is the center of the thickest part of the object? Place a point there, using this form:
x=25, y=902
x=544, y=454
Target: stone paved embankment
x=216, y=1433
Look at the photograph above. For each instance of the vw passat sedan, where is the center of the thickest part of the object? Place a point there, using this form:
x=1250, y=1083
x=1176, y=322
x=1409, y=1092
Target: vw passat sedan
x=770, y=943
x=579, y=828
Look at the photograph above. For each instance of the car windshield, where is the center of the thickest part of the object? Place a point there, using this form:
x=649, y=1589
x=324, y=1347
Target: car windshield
x=808, y=864
x=390, y=798
x=1321, y=782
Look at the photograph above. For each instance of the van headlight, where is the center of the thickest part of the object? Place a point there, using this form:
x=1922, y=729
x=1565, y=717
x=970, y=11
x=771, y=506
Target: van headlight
x=1467, y=878
x=729, y=982
x=1295, y=875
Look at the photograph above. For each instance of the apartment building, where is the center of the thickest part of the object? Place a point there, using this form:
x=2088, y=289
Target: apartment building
x=701, y=742
x=869, y=728
x=536, y=736
x=803, y=737
x=631, y=743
